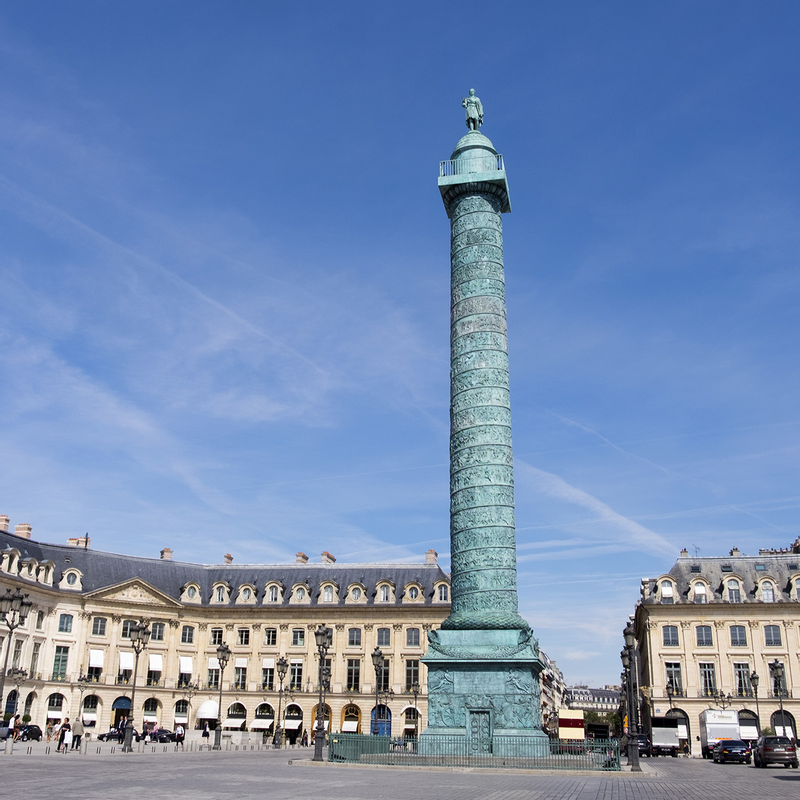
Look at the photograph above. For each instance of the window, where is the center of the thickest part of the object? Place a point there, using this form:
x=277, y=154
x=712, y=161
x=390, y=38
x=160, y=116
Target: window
x=93, y=673
x=191, y=592
x=216, y=636
x=704, y=636
x=153, y=677
x=267, y=678
x=412, y=637
x=355, y=593
x=412, y=673
x=734, y=593
x=181, y=708
x=738, y=636
x=383, y=677
x=670, y=633
x=240, y=678
x=298, y=637
x=99, y=626
x=443, y=593
x=772, y=636
x=327, y=594
x=300, y=593
x=666, y=592
x=273, y=594
x=270, y=637
x=17, y=654
x=695, y=568
x=353, y=674
x=243, y=636
x=727, y=568
x=184, y=679
x=767, y=592
x=157, y=632
x=213, y=678
x=354, y=637
x=127, y=624
x=60, y=663
x=700, y=595
x=65, y=623
x=741, y=680
x=72, y=578
x=296, y=676
x=708, y=680
x=413, y=593
x=246, y=593
x=34, y=659
x=150, y=706
x=39, y=620
x=384, y=637
x=55, y=702
x=385, y=594
x=220, y=594
x=674, y=678
x=187, y=634
x=90, y=703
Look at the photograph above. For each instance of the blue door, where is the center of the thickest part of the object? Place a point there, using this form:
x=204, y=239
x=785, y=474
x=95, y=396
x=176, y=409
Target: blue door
x=383, y=724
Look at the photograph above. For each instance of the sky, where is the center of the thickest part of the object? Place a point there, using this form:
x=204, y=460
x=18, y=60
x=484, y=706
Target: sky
x=224, y=276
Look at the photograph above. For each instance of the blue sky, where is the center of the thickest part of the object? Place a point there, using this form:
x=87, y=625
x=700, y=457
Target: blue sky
x=224, y=275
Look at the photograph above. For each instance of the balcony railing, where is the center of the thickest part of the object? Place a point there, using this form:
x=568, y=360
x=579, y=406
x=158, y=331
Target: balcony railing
x=465, y=166
x=783, y=693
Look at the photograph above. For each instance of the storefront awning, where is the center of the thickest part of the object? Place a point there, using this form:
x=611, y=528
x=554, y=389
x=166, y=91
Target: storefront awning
x=53, y=714
x=292, y=724
x=149, y=717
x=233, y=722
x=208, y=709
x=350, y=726
x=89, y=716
x=261, y=724
x=123, y=703
x=183, y=718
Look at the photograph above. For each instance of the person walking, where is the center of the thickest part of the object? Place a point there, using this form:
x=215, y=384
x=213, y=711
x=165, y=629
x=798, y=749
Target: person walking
x=64, y=736
x=77, y=734
x=49, y=730
x=206, y=734
x=180, y=734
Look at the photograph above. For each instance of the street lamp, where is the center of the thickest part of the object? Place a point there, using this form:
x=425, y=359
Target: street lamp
x=386, y=696
x=223, y=657
x=415, y=691
x=324, y=639
x=377, y=662
x=754, y=683
x=776, y=668
x=721, y=699
x=628, y=657
x=140, y=636
x=18, y=677
x=14, y=610
x=189, y=690
x=670, y=693
x=282, y=666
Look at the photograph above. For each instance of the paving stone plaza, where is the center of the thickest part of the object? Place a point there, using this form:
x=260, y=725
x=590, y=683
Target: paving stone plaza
x=269, y=773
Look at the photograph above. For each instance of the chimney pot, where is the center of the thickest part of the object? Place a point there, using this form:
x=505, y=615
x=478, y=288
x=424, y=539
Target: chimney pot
x=228, y=558
x=166, y=554
x=431, y=557
x=684, y=553
x=327, y=558
x=735, y=551
x=79, y=541
x=301, y=558
x=4, y=522
x=23, y=530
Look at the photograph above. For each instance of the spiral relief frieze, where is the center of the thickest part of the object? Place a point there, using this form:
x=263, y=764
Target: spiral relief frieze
x=483, y=476
x=478, y=287
x=480, y=340
x=489, y=267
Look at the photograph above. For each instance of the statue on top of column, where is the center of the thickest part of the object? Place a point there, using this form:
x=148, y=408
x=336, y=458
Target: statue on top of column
x=474, y=110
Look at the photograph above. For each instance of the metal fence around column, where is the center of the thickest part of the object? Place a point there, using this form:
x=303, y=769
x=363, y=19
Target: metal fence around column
x=595, y=755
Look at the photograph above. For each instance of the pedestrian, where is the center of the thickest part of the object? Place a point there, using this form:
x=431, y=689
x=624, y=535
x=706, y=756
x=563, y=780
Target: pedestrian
x=305, y=738
x=77, y=733
x=154, y=732
x=206, y=733
x=180, y=734
x=49, y=730
x=64, y=736
x=17, y=728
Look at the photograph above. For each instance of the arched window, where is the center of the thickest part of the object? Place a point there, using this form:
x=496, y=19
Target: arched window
x=273, y=594
x=384, y=594
x=327, y=594
x=734, y=592
x=220, y=594
x=182, y=708
x=767, y=592
x=666, y=592
x=413, y=593
x=700, y=595
x=443, y=593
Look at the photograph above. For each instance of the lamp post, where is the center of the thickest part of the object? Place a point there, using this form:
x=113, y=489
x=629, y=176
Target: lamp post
x=189, y=690
x=777, y=670
x=386, y=696
x=629, y=662
x=282, y=666
x=18, y=677
x=14, y=610
x=670, y=693
x=223, y=657
x=140, y=636
x=754, y=683
x=377, y=662
x=415, y=691
x=722, y=700
x=324, y=638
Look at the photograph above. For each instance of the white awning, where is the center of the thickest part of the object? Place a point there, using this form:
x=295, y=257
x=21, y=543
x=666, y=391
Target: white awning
x=208, y=709
x=266, y=663
x=233, y=722
x=184, y=718
x=96, y=658
x=186, y=667
x=350, y=725
x=292, y=724
x=747, y=729
x=126, y=660
x=683, y=733
x=52, y=713
x=241, y=662
x=156, y=663
x=89, y=716
x=261, y=724
x=149, y=717
x=213, y=662
x=296, y=661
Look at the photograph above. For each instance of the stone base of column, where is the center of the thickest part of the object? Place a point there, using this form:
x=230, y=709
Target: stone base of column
x=483, y=694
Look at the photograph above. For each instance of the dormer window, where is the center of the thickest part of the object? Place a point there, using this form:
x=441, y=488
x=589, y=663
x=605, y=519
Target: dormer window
x=734, y=592
x=667, y=596
x=246, y=593
x=300, y=593
x=327, y=594
x=384, y=593
x=443, y=593
x=272, y=594
x=413, y=593
x=767, y=592
x=355, y=593
x=220, y=596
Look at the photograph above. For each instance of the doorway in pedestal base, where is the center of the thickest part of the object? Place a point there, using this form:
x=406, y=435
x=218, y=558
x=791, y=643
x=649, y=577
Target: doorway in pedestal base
x=480, y=732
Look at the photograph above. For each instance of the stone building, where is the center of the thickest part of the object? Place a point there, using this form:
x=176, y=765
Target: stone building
x=712, y=627
x=584, y=698
x=75, y=644
x=552, y=692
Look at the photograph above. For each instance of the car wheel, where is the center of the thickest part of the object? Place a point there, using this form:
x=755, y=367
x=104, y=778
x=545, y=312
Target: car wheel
x=794, y=766
x=747, y=761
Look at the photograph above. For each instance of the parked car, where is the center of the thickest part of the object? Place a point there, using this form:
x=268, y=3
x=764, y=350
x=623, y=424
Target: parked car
x=33, y=732
x=731, y=750
x=163, y=735
x=775, y=750
x=116, y=735
x=645, y=746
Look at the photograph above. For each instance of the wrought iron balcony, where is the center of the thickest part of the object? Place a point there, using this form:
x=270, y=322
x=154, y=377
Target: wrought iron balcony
x=465, y=166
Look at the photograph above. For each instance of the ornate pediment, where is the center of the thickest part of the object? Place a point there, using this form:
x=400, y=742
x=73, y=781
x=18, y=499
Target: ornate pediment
x=134, y=591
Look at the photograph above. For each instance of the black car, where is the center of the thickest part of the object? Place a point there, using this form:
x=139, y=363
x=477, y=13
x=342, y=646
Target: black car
x=33, y=732
x=645, y=746
x=163, y=736
x=116, y=735
x=731, y=750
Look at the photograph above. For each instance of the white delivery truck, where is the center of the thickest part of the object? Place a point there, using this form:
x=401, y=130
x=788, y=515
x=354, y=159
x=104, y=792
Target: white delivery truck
x=716, y=725
x=664, y=736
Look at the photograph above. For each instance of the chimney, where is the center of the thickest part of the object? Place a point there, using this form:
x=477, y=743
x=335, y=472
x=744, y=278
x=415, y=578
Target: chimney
x=327, y=558
x=79, y=541
x=227, y=558
x=735, y=551
x=684, y=553
x=23, y=530
x=301, y=558
x=431, y=556
x=4, y=522
x=166, y=554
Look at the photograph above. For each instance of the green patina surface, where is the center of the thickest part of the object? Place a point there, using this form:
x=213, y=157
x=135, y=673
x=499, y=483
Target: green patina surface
x=483, y=665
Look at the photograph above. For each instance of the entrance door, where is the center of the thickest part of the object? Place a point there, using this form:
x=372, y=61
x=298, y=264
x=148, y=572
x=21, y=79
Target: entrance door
x=480, y=732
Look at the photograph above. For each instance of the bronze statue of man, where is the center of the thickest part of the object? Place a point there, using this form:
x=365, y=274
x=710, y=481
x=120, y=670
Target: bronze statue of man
x=474, y=110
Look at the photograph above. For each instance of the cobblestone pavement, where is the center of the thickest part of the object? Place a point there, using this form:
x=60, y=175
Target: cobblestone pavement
x=267, y=774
